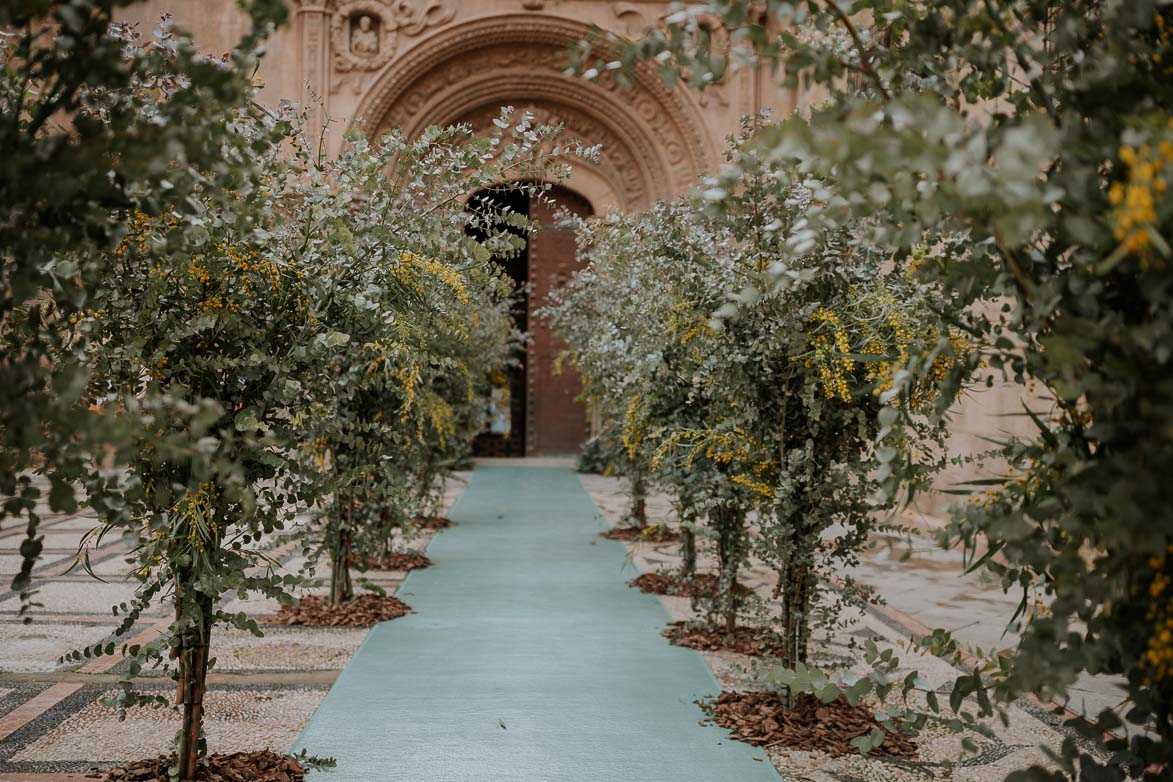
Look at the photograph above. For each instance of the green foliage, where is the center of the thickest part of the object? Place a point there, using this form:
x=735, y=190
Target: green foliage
x=785, y=403
x=415, y=319
x=222, y=340
x=91, y=124
x=1027, y=145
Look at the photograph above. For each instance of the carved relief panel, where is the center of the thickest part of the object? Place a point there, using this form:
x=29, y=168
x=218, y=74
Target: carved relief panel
x=364, y=34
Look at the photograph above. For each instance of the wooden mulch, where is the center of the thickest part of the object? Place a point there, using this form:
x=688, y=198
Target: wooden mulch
x=435, y=522
x=753, y=641
x=653, y=533
x=678, y=585
x=759, y=718
x=393, y=560
x=262, y=766
x=361, y=611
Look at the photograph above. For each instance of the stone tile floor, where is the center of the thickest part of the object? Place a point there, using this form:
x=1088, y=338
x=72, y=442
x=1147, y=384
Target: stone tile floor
x=52, y=725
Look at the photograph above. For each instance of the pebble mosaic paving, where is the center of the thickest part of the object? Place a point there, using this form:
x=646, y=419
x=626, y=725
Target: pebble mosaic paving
x=239, y=719
x=263, y=690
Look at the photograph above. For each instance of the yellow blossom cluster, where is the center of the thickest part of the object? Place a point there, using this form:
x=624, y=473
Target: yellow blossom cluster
x=79, y=317
x=1157, y=662
x=685, y=324
x=198, y=271
x=417, y=271
x=723, y=447
x=217, y=304
x=755, y=484
x=136, y=235
x=1165, y=41
x=635, y=427
x=885, y=331
x=247, y=262
x=440, y=417
x=1135, y=200
x=197, y=510
x=320, y=446
x=831, y=354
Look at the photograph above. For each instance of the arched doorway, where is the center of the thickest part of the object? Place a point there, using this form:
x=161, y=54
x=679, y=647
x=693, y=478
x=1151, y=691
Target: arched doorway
x=545, y=416
x=653, y=146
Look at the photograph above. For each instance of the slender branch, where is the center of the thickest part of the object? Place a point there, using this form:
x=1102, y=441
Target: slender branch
x=865, y=58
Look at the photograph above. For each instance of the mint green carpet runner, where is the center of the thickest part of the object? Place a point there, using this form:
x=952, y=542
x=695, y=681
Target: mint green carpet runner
x=528, y=659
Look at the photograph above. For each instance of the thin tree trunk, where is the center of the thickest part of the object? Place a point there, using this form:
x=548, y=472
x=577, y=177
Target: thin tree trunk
x=341, y=588
x=796, y=616
x=193, y=676
x=803, y=625
x=687, y=551
x=729, y=533
x=639, y=498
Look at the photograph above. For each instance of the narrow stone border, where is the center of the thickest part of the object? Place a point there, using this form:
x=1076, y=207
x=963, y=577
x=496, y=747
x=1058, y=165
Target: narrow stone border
x=35, y=707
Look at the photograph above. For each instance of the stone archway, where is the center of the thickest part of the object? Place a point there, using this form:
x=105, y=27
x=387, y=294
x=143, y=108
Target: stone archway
x=653, y=142
x=653, y=147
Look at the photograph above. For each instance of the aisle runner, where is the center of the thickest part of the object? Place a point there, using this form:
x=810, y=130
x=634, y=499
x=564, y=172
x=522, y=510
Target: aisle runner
x=528, y=659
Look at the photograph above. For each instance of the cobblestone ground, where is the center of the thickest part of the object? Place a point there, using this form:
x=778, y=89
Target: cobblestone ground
x=52, y=724
x=923, y=589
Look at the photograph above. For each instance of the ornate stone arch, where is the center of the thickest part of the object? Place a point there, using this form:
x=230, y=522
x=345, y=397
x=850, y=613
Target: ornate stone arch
x=653, y=142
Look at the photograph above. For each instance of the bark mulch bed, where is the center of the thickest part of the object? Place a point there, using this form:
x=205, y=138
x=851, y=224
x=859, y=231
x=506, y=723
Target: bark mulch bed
x=435, y=522
x=753, y=641
x=677, y=585
x=361, y=611
x=653, y=533
x=759, y=718
x=394, y=560
x=263, y=766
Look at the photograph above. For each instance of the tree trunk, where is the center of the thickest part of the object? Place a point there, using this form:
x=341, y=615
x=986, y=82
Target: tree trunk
x=193, y=676
x=341, y=588
x=687, y=551
x=796, y=615
x=639, y=498
x=730, y=542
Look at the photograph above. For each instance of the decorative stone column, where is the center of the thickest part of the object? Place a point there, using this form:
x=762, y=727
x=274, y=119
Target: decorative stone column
x=313, y=19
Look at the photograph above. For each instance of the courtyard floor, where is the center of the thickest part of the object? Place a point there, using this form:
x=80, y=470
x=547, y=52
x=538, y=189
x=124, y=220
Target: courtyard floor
x=526, y=658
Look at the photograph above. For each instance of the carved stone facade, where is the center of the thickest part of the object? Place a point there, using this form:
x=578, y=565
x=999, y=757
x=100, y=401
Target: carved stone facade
x=377, y=64
x=382, y=64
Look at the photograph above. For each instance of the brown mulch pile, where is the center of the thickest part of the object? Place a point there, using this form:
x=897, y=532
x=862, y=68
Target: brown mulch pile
x=754, y=641
x=653, y=533
x=759, y=718
x=435, y=522
x=361, y=611
x=263, y=766
x=394, y=560
x=676, y=585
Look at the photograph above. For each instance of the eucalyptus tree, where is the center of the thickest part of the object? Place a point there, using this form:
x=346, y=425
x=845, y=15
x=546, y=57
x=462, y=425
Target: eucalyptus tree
x=93, y=122
x=199, y=330
x=778, y=402
x=415, y=315
x=632, y=319
x=1026, y=145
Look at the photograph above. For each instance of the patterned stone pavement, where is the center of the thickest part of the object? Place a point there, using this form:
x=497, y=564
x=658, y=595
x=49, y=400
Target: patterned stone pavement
x=52, y=724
